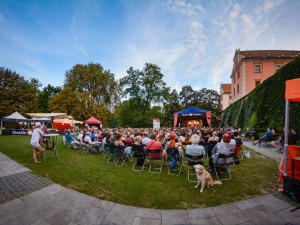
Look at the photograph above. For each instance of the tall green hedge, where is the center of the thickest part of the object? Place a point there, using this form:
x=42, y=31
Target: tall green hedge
x=265, y=105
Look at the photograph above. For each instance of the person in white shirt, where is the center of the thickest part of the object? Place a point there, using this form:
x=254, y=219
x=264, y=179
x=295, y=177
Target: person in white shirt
x=35, y=141
x=146, y=139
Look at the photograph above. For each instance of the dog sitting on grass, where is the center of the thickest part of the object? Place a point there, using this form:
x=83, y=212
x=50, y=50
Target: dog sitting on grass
x=204, y=177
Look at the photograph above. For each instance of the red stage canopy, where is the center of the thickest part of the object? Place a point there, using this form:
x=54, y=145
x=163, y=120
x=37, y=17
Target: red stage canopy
x=292, y=90
x=93, y=120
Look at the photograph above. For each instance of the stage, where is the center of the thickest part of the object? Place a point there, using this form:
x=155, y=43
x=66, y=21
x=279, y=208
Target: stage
x=192, y=117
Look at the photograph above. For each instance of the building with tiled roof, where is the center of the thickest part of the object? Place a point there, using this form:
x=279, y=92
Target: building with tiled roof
x=225, y=95
x=251, y=68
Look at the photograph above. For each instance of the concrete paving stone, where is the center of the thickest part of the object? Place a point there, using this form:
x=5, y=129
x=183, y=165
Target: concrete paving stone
x=260, y=215
x=175, y=217
x=53, y=189
x=272, y=203
x=248, y=223
x=107, y=223
x=246, y=204
x=145, y=221
x=21, y=170
x=206, y=221
x=148, y=213
x=291, y=217
x=90, y=216
x=102, y=204
x=61, y=217
x=201, y=213
x=40, y=222
x=230, y=214
x=121, y=214
x=10, y=220
x=32, y=213
x=11, y=207
x=34, y=197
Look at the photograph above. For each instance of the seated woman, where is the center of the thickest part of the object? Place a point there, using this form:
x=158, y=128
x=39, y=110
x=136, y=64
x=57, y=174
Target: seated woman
x=211, y=143
x=222, y=148
x=138, y=149
x=94, y=144
x=194, y=149
x=119, y=143
x=266, y=137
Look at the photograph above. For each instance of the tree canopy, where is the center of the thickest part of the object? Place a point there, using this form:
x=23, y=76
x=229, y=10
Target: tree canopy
x=16, y=93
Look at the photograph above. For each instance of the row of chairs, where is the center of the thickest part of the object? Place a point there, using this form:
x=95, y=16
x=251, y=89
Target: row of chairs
x=115, y=155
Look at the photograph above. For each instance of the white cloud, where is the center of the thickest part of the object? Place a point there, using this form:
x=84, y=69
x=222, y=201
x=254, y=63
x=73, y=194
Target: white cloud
x=76, y=37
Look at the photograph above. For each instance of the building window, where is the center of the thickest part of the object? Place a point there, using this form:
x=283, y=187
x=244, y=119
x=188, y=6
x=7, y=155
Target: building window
x=257, y=69
x=233, y=91
x=230, y=96
x=257, y=82
x=234, y=79
x=238, y=74
x=238, y=89
x=277, y=67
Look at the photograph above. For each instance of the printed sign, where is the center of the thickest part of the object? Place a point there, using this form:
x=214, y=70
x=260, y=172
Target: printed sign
x=156, y=123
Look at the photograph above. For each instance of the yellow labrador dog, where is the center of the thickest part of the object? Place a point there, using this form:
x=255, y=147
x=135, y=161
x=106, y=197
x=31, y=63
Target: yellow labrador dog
x=204, y=177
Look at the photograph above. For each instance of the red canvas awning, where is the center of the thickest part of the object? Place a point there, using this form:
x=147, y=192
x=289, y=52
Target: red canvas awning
x=93, y=120
x=292, y=90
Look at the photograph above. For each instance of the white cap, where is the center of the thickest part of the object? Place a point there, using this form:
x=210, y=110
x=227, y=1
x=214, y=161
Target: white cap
x=37, y=124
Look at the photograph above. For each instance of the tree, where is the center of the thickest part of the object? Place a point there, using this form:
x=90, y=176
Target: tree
x=79, y=105
x=97, y=83
x=45, y=95
x=16, y=93
x=145, y=88
x=172, y=106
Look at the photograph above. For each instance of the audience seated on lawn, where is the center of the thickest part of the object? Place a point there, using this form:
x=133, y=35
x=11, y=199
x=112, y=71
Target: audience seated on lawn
x=119, y=143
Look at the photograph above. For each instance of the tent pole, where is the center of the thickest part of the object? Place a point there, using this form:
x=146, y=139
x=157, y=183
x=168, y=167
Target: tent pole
x=286, y=134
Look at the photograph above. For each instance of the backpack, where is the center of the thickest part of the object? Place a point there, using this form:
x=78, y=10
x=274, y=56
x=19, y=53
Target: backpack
x=172, y=163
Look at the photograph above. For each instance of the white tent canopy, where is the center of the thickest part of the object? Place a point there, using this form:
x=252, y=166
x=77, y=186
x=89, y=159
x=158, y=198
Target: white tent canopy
x=40, y=120
x=15, y=117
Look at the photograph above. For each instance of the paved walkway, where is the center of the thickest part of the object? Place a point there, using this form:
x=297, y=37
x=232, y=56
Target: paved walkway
x=271, y=152
x=57, y=205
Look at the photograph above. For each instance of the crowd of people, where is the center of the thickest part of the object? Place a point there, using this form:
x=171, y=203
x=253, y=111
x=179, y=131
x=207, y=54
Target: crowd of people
x=191, y=141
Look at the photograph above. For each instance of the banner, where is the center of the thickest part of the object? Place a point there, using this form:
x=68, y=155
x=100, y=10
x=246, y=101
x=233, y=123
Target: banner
x=208, y=117
x=175, y=119
x=156, y=123
x=16, y=132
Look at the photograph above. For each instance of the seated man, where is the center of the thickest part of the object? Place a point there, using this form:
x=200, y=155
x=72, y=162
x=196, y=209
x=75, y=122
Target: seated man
x=293, y=137
x=247, y=133
x=94, y=144
x=70, y=139
x=222, y=148
x=253, y=133
x=266, y=137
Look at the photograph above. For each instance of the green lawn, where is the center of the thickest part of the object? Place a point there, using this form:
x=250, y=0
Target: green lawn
x=92, y=175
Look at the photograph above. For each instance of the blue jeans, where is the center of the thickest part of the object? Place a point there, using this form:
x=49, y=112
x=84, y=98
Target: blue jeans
x=97, y=146
x=128, y=151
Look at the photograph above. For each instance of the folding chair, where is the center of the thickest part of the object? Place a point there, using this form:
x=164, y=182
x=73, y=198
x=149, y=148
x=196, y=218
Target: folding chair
x=228, y=161
x=138, y=154
x=238, y=147
x=191, y=161
x=119, y=154
x=155, y=155
x=173, y=153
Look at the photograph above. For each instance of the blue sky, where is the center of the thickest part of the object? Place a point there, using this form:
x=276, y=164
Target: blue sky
x=193, y=42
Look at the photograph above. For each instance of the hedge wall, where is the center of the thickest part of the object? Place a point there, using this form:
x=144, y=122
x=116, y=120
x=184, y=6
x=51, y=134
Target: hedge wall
x=265, y=105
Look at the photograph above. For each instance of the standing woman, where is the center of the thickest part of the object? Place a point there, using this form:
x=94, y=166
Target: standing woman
x=35, y=141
